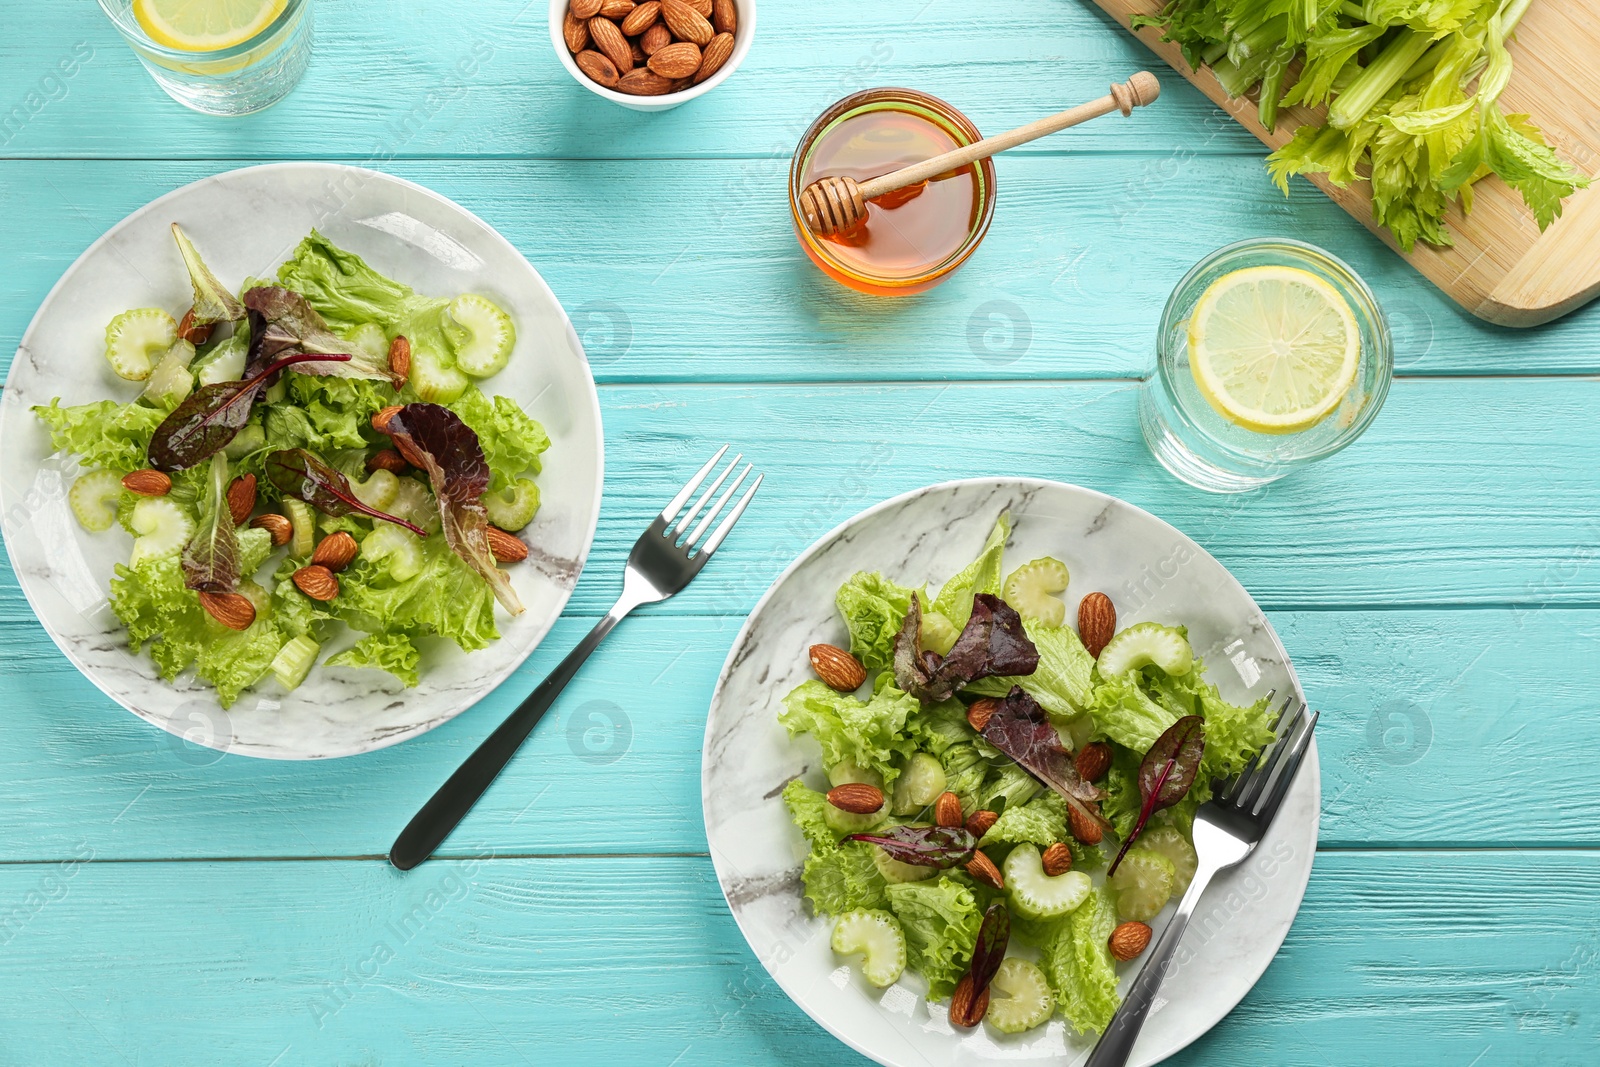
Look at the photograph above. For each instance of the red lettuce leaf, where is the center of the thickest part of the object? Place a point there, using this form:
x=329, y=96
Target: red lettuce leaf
x=1020, y=728
x=281, y=320
x=924, y=846
x=993, y=937
x=1166, y=773
x=434, y=438
x=211, y=558
x=992, y=643
x=299, y=474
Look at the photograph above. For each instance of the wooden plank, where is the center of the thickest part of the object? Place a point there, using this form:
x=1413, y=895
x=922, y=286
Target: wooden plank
x=726, y=295
x=1500, y=266
x=1420, y=724
x=1395, y=958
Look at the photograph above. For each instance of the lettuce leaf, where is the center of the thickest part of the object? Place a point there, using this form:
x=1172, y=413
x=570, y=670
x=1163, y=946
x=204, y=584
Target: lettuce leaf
x=1043, y=821
x=326, y=414
x=806, y=807
x=965, y=768
x=511, y=440
x=1234, y=732
x=385, y=652
x=1078, y=964
x=982, y=575
x=1125, y=713
x=842, y=879
x=446, y=598
x=1062, y=683
x=874, y=609
x=940, y=918
x=103, y=434
x=936, y=727
x=871, y=734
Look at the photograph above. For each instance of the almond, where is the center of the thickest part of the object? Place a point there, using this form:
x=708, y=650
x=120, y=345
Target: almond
x=838, y=669
x=195, y=335
x=609, y=40
x=616, y=10
x=507, y=548
x=1097, y=622
x=232, y=610
x=600, y=70
x=981, y=711
x=858, y=798
x=1057, y=860
x=335, y=551
x=676, y=60
x=400, y=360
x=716, y=54
x=724, y=16
x=1093, y=760
x=702, y=6
x=655, y=39
x=242, y=498
x=642, y=81
x=641, y=18
x=147, y=482
x=381, y=418
x=1083, y=827
x=277, y=525
x=317, y=582
x=982, y=869
x=968, y=1004
x=1128, y=940
x=980, y=822
x=586, y=9
x=576, y=32
x=947, y=810
x=388, y=459
x=685, y=22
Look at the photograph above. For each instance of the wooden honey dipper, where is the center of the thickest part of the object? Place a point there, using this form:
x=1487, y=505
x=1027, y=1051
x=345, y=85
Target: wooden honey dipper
x=835, y=205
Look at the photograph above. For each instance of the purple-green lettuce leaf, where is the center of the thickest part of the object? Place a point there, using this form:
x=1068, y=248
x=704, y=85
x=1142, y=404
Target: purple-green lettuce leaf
x=213, y=302
x=924, y=846
x=297, y=473
x=434, y=438
x=211, y=558
x=1166, y=773
x=281, y=320
x=993, y=642
x=993, y=937
x=1020, y=728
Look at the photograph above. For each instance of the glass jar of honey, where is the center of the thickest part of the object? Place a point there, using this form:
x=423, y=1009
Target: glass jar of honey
x=911, y=239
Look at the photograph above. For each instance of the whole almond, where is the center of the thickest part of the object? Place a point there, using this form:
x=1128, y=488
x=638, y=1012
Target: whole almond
x=387, y=459
x=654, y=39
x=677, y=60
x=616, y=10
x=147, y=482
x=981, y=711
x=609, y=40
x=507, y=548
x=242, y=498
x=702, y=6
x=686, y=23
x=586, y=9
x=380, y=419
x=1057, y=860
x=716, y=54
x=335, y=551
x=639, y=58
x=1092, y=761
x=968, y=1004
x=1128, y=940
x=641, y=18
x=576, y=32
x=600, y=70
x=947, y=810
x=317, y=582
x=724, y=16
x=642, y=81
x=981, y=821
x=1097, y=622
x=982, y=869
x=858, y=798
x=838, y=669
x=1083, y=827
x=277, y=525
x=195, y=335
x=232, y=610
x=400, y=360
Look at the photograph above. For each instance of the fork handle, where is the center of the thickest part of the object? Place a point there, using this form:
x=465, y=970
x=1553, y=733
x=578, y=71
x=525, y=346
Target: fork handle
x=429, y=827
x=1116, y=1044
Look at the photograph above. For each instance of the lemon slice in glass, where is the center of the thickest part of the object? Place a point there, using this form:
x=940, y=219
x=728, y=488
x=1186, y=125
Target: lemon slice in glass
x=1273, y=349
x=205, y=25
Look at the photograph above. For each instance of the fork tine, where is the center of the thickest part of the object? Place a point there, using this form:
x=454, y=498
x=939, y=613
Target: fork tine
x=733, y=516
x=1291, y=764
x=1243, y=777
x=722, y=502
x=1263, y=775
x=688, y=516
x=671, y=510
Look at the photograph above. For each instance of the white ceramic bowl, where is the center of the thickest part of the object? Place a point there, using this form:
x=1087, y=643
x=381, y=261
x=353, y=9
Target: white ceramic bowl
x=743, y=35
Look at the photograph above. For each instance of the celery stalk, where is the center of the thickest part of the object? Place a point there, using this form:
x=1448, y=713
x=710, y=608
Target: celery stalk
x=1377, y=79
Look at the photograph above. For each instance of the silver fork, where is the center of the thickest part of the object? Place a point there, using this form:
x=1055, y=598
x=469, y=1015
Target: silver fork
x=1227, y=829
x=664, y=560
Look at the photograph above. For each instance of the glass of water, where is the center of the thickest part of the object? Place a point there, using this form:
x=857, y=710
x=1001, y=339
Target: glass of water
x=244, y=77
x=1212, y=448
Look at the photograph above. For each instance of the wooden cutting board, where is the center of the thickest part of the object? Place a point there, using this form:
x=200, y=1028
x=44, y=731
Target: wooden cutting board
x=1501, y=267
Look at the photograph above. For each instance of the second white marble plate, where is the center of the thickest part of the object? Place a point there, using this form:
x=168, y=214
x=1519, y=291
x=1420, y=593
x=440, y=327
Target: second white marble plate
x=1152, y=572
x=246, y=222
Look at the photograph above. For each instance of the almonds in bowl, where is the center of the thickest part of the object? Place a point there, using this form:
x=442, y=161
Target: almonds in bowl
x=655, y=54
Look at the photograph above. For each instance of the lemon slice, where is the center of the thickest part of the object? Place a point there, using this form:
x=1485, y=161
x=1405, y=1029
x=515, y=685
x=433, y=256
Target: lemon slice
x=205, y=25
x=1273, y=349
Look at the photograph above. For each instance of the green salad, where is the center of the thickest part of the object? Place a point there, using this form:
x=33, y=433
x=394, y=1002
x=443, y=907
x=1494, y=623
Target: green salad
x=308, y=451
x=979, y=774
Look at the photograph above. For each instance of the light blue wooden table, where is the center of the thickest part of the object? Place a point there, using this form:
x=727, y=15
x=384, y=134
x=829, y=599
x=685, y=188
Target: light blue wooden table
x=1438, y=584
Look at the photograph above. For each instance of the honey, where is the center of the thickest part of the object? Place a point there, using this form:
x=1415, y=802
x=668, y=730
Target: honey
x=913, y=238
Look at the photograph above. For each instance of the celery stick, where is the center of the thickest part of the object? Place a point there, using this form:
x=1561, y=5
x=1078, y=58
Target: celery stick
x=1377, y=79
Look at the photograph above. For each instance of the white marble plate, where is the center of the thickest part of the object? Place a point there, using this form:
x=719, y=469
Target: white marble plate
x=1152, y=572
x=246, y=222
